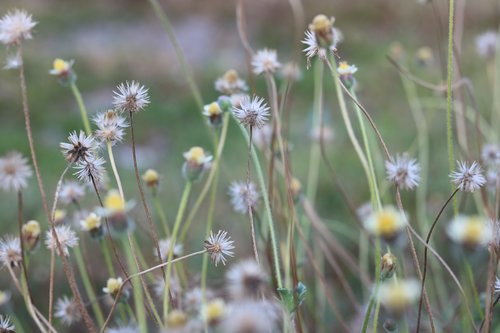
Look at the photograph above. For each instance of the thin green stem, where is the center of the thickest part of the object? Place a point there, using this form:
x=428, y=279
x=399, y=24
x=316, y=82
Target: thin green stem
x=160, y=212
x=265, y=198
x=88, y=285
x=177, y=224
x=81, y=106
x=470, y=276
x=136, y=287
x=109, y=147
x=107, y=257
x=378, y=256
x=449, y=99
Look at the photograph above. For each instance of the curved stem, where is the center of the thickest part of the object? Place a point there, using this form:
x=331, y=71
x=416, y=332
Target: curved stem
x=81, y=107
x=109, y=147
x=173, y=238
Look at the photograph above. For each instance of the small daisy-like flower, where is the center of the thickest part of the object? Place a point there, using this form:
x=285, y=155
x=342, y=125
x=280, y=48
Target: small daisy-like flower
x=243, y=196
x=164, y=245
x=79, y=147
x=396, y=296
x=252, y=112
x=219, y=246
x=31, y=234
x=176, y=319
x=67, y=310
x=403, y=171
x=14, y=172
x=230, y=83
x=5, y=325
x=10, y=251
x=16, y=26
x=131, y=97
x=424, y=56
x=13, y=61
x=490, y=154
x=61, y=67
x=213, y=112
x=346, y=69
x=265, y=61
x=471, y=231
x=67, y=238
x=321, y=38
x=213, y=311
x=387, y=223
x=151, y=178
x=113, y=286
x=92, y=224
x=487, y=44
x=196, y=163
x=246, y=280
x=467, y=178
x=71, y=192
x=91, y=170
x=252, y=316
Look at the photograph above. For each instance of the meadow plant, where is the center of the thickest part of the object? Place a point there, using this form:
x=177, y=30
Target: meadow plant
x=425, y=260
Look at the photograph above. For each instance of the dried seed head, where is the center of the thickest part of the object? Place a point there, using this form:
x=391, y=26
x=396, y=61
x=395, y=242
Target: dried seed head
x=219, y=246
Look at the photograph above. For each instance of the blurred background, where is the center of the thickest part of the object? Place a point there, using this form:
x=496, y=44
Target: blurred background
x=113, y=41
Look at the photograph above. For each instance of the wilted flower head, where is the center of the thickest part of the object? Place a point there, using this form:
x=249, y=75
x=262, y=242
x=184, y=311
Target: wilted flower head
x=230, y=83
x=67, y=238
x=130, y=97
x=487, y=44
x=91, y=170
x=243, y=196
x=262, y=137
x=13, y=61
x=80, y=147
x=16, y=26
x=388, y=266
x=252, y=112
x=14, y=172
x=471, y=231
x=252, y=316
x=403, y=171
x=174, y=287
x=265, y=61
x=490, y=154
x=321, y=38
x=5, y=325
x=71, y=192
x=10, y=251
x=30, y=232
x=246, y=279
x=164, y=245
x=467, y=178
x=193, y=298
x=387, y=223
x=396, y=296
x=218, y=246
x=110, y=126
x=213, y=112
x=196, y=163
x=291, y=71
x=67, y=310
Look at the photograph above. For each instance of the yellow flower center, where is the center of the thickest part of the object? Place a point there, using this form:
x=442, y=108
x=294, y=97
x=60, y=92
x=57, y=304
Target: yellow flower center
x=113, y=285
x=387, y=224
x=60, y=65
x=31, y=228
x=92, y=222
x=231, y=76
x=398, y=298
x=214, y=310
x=176, y=318
x=114, y=202
x=196, y=154
x=59, y=214
x=321, y=23
x=343, y=65
x=473, y=231
x=214, y=109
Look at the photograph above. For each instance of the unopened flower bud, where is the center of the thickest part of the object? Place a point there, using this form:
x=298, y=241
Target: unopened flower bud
x=31, y=234
x=196, y=163
x=389, y=263
x=151, y=178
